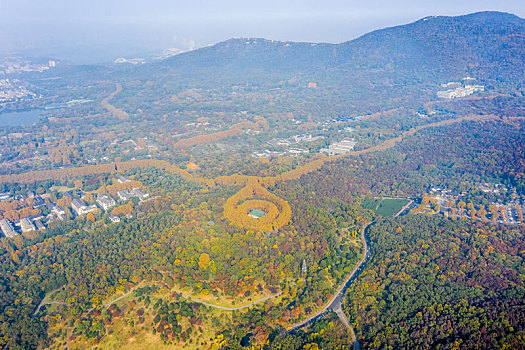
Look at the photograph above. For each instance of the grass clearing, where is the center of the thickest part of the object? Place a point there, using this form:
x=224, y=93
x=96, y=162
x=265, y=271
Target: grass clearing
x=371, y=203
x=390, y=206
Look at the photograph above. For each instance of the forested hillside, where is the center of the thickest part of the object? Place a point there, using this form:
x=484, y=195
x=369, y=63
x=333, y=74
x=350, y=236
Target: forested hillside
x=485, y=44
x=222, y=198
x=435, y=283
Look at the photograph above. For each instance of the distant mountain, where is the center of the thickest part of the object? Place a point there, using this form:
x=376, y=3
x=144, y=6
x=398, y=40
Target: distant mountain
x=249, y=53
x=484, y=44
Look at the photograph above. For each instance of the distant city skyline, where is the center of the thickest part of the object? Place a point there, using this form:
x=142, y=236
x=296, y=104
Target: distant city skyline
x=98, y=30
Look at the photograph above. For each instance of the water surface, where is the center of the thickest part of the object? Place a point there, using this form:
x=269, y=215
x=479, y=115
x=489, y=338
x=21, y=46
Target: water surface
x=25, y=118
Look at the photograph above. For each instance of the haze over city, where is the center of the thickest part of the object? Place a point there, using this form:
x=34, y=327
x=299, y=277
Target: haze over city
x=99, y=31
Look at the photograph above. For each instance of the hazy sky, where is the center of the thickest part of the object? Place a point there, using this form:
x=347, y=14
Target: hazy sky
x=96, y=30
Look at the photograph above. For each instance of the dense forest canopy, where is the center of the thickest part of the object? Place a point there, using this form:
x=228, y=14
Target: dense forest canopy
x=222, y=198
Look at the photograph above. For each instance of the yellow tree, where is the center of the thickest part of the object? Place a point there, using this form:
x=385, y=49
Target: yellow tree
x=204, y=260
x=89, y=198
x=64, y=202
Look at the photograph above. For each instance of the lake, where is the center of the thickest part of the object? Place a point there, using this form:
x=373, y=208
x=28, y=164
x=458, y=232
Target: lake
x=20, y=118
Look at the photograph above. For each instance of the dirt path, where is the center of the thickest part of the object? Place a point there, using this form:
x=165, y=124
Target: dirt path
x=405, y=207
x=45, y=301
x=233, y=308
x=107, y=305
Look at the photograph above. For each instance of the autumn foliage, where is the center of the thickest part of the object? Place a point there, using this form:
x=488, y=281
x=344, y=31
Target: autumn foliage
x=123, y=209
x=117, y=187
x=254, y=196
x=237, y=129
x=66, y=173
x=115, y=112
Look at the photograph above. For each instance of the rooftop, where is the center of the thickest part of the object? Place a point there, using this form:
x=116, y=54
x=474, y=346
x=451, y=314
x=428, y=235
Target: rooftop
x=77, y=203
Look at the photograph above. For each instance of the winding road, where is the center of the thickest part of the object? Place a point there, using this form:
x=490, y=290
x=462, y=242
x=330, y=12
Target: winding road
x=335, y=303
x=107, y=305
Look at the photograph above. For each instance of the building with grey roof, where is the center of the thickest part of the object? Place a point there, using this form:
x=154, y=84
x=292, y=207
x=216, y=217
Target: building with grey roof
x=39, y=225
x=7, y=228
x=123, y=179
x=136, y=192
x=105, y=201
x=26, y=225
x=78, y=206
x=341, y=147
x=124, y=195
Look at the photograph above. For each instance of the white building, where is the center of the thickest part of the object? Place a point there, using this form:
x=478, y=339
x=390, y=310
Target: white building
x=297, y=151
x=26, y=225
x=460, y=91
x=91, y=208
x=7, y=228
x=341, y=147
x=78, y=206
x=114, y=218
x=105, y=201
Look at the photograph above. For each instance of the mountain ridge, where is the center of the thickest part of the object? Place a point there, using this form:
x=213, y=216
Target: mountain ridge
x=489, y=43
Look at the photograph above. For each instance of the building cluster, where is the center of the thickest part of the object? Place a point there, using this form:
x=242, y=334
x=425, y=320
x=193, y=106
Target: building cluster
x=492, y=188
x=82, y=208
x=53, y=211
x=30, y=223
x=337, y=121
x=133, y=61
x=295, y=151
x=57, y=210
x=167, y=53
x=341, y=147
x=457, y=89
x=508, y=212
x=342, y=119
x=294, y=141
x=126, y=195
x=12, y=89
x=13, y=65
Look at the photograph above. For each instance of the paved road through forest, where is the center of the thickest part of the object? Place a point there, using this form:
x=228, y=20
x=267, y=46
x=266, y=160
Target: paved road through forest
x=335, y=304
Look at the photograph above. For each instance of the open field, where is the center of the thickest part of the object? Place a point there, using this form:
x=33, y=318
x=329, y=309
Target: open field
x=390, y=206
x=371, y=204
x=385, y=206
